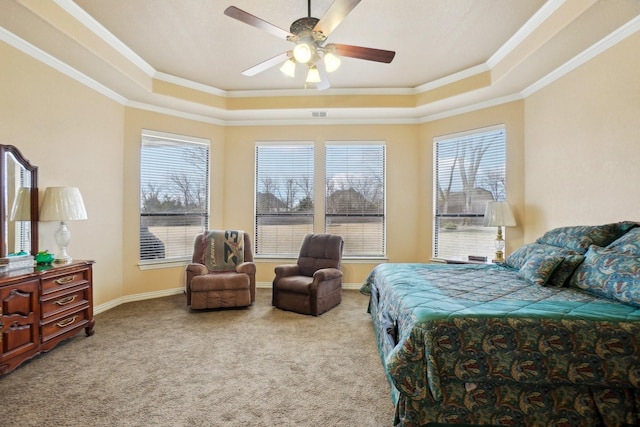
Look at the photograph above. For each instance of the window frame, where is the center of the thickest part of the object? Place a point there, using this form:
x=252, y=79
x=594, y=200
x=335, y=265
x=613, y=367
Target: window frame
x=185, y=257
x=257, y=235
x=478, y=213
x=381, y=250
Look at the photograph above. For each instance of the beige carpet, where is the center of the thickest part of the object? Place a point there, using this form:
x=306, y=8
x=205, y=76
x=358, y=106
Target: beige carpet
x=155, y=363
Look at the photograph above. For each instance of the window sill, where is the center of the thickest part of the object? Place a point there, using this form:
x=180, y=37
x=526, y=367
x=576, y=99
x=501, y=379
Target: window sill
x=156, y=265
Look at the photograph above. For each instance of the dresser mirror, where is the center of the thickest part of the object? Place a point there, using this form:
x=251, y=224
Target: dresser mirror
x=18, y=203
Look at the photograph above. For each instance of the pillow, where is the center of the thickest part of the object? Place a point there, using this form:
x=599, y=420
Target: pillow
x=564, y=271
x=611, y=274
x=539, y=267
x=571, y=260
x=579, y=238
x=629, y=242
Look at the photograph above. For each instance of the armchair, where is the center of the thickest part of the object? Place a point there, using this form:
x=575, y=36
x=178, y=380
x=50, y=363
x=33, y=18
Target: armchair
x=314, y=284
x=222, y=272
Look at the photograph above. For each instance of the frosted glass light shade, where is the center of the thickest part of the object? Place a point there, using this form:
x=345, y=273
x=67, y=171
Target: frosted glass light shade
x=313, y=76
x=302, y=53
x=62, y=204
x=289, y=68
x=331, y=62
x=21, y=210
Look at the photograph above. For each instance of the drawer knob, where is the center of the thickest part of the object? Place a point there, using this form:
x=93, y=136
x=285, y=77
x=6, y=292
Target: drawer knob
x=66, y=322
x=66, y=300
x=65, y=280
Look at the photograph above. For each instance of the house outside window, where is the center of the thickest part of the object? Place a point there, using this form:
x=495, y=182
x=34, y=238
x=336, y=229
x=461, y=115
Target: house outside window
x=174, y=195
x=469, y=171
x=352, y=205
x=355, y=196
x=284, y=202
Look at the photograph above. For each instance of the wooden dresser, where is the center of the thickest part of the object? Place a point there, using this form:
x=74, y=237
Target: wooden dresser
x=42, y=306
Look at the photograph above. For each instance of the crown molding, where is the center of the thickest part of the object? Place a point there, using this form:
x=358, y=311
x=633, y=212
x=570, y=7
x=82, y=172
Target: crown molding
x=525, y=31
x=42, y=56
x=98, y=29
x=586, y=55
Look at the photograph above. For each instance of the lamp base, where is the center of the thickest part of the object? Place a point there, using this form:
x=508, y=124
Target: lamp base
x=499, y=259
x=66, y=260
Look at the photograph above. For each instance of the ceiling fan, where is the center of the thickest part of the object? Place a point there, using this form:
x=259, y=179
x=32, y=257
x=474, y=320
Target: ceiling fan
x=309, y=35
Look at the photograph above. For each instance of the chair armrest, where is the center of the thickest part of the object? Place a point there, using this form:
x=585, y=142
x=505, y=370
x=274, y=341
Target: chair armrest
x=197, y=269
x=247, y=268
x=326, y=274
x=286, y=270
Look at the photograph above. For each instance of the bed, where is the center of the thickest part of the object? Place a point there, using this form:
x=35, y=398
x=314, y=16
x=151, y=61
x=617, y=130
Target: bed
x=550, y=338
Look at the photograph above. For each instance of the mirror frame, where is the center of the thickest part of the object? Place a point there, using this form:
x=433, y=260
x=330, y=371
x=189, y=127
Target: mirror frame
x=5, y=204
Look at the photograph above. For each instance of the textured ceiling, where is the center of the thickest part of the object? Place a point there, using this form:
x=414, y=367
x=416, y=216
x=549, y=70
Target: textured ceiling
x=187, y=57
x=194, y=40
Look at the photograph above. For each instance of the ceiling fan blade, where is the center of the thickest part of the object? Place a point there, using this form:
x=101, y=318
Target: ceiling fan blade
x=338, y=10
x=265, y=65
x=254, y=21
x=367, y=53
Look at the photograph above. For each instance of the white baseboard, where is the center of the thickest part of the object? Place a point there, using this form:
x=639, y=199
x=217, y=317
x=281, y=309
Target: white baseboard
x=175, y=291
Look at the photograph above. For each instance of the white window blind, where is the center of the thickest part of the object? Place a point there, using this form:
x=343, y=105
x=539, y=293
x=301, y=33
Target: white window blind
x=469, y=171
x=284, y=197
x=355, y=196
x=174, y=194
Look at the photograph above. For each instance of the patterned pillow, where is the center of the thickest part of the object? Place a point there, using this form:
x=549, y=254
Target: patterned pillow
x=629, y=242
x=564, y=271
x=539, y=267
x=579, y=238
x=611, y=274
x=560, y=275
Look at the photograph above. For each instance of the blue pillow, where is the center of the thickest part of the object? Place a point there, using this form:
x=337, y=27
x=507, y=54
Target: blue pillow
x=579, y=238
x=629, y=242
x=539, y=267
x=561, y=274
x=611, y=274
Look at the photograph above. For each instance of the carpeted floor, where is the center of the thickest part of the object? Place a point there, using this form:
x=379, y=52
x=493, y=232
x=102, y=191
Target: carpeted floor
x=156, y=363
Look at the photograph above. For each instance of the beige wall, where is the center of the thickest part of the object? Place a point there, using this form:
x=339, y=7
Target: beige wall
x=403, y=183
x=573, y=153
x=74, y=136
x=582, y=150
x=510, y=115
x=138, y=281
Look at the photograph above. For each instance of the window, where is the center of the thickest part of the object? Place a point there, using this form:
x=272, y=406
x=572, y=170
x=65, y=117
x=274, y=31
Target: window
x=469, y=171
x=284, y=197
x=355, y=196
x=174, y=195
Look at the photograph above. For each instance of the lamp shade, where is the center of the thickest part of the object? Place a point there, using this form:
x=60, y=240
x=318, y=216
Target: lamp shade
x=62, y=204
x=21, y=210
x=498, y=214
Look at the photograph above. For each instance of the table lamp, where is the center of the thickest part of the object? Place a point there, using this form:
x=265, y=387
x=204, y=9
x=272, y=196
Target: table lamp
x=62, y=204
x=498, y=214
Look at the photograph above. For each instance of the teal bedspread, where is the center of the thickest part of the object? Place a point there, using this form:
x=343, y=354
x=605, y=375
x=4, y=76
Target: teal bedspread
x=477, y=344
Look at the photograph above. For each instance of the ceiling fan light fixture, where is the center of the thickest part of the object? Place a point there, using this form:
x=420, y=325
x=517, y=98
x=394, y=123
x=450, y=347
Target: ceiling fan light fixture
x=331, y=62
x=313, y=76
x=302, y=52
x=289, y=68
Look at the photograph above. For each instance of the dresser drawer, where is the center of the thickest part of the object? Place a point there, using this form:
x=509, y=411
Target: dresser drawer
x=71, y=300
x=64, y=324
x=64, y=280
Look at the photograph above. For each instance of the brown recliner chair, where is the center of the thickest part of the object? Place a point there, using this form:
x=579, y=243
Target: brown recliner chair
x=222, y=272
x=314, y=284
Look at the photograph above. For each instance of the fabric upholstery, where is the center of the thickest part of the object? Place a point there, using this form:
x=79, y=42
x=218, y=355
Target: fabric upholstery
x=219, y=289
x=314, y=284
x=629, y=242
x=611, y=274
x=559, y=277
x=539, y=267
x=579, y=238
